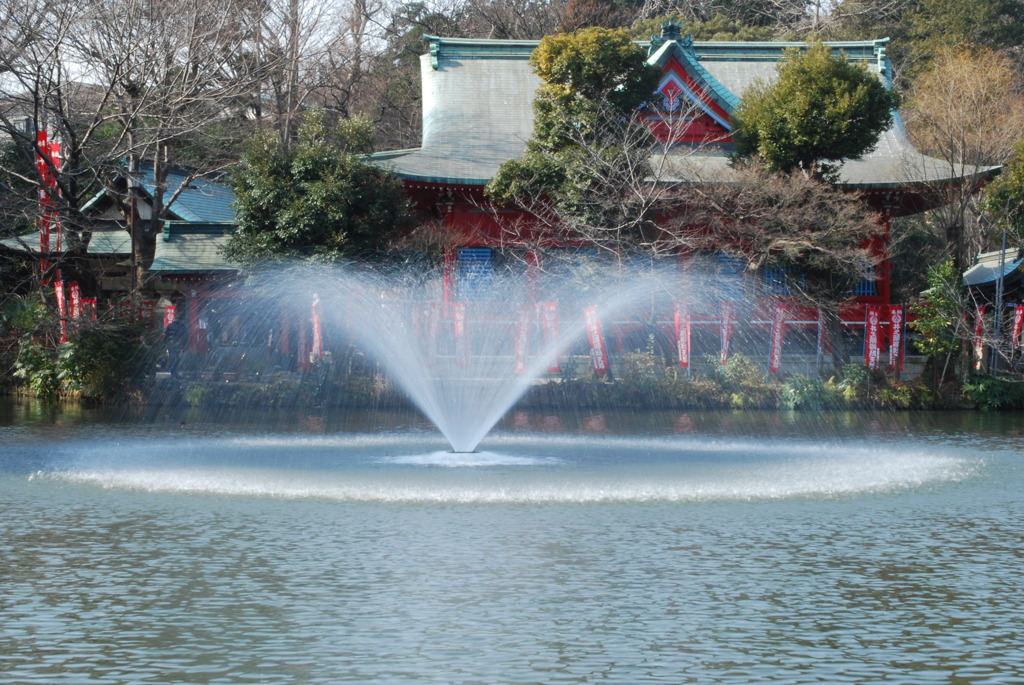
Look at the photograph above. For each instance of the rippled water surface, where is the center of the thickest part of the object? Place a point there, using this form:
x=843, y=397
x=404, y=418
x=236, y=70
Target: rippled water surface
x=685, y=548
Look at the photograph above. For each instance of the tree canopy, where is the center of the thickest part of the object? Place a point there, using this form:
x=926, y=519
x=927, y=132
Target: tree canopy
x=315, y=199
x=965, y=109
x=820, y=110
x=585, y=139
x=1004, y=198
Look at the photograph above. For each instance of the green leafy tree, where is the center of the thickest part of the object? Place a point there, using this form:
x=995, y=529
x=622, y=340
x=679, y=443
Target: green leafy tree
x=939, y=317
x=586, y=139
x=582, y=71
x=820, y=110
x=316, y=199
x=1004, y=198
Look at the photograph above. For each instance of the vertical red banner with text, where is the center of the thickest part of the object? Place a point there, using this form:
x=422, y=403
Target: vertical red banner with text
x=303, y=351
x=48, y=162
x=979, y=336
x=820, y=351
x=170, y=314
x=726, y=329
x=778, y=331
x=316, y=320
x=595, y=338
x=58, y=289
x=89, y=308
x=897, y=324
x=75, y=295
x=1018, y=323
x=872, y=336
x=683, y=333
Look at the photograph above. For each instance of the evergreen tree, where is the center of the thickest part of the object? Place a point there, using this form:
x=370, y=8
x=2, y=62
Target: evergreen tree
x=1004, y=198
x=820, y=110
x=586, y=137
x=316, y=199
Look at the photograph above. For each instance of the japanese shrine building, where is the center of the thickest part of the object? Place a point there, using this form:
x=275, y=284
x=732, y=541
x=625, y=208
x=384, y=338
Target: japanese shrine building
x=477, y=113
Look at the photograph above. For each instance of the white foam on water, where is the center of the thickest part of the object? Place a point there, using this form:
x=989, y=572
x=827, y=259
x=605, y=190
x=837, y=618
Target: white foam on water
x=467, y=459
x=771, y=471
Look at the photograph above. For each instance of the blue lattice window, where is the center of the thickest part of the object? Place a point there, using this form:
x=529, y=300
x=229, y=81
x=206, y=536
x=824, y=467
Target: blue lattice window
x=866, y=285
x=781, y=281
x=476, y=273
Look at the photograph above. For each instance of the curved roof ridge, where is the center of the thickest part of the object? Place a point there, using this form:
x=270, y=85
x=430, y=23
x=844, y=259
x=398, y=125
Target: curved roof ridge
x=686, y=56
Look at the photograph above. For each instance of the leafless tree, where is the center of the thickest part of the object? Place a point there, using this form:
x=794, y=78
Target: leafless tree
x=516, y=19
x=821, y=240
x=618, y=175
x=967, y=110
x=118, y=84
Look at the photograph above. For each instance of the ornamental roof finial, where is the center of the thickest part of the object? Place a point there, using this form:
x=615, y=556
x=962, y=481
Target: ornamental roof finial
x=672, y=30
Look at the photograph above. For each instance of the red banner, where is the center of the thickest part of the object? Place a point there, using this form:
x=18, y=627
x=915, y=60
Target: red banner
x=303, y=344
x=450, y=266
x=170, y=313
x=726, y=329
x=48, y=162
x=683, y=334
x=778, y=331
x=595, y=338
x=548, y=312
x=521, y=344
x=1018, y=322
x=44, y=242
x=75, y=295
x=897, y=324
x=821, y=334
x=461, y=343
x=89, y=307
x=58, y=289
x=979, y=331
x=872, y=336
x=317, y=346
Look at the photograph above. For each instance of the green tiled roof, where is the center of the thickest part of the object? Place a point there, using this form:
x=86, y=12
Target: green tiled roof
x=192, y=248
x=104, y=242
x=478, y=95
x=204, y=199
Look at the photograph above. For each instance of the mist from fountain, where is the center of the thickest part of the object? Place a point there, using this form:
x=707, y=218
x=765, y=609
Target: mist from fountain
x=463, y=381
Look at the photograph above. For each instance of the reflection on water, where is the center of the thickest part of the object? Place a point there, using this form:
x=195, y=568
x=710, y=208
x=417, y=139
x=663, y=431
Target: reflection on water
x=696, y=548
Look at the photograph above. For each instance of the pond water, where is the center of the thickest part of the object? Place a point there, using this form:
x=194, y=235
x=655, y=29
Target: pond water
x=675, y=548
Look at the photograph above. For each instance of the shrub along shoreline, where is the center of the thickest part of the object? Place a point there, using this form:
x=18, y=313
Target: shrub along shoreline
x=128, y=363
x=740, y=384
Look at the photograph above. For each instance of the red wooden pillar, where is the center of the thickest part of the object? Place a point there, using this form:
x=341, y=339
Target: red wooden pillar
x=450, y=259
